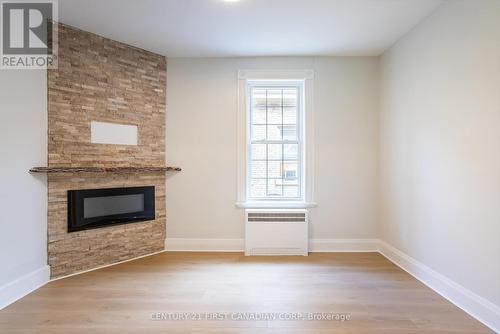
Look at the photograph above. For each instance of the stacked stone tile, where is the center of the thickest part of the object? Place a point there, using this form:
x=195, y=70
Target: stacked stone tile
x=103, y=80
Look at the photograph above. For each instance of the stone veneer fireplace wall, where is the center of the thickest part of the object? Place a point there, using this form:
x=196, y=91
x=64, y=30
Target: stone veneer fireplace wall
x=106, y=81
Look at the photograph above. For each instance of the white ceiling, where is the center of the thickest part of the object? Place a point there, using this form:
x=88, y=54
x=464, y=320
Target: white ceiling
x=214, y=28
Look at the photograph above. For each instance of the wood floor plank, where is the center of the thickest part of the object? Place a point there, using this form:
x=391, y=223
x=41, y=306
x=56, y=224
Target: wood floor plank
x=377, y=296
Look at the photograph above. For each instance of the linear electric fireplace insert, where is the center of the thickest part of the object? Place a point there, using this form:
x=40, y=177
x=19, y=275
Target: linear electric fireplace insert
x=94, y=208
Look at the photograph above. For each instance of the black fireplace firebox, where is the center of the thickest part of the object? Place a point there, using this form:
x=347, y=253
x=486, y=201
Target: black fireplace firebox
x=94, y=208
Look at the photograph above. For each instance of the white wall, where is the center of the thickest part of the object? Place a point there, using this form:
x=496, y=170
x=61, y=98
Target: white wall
x=201, y=138
x=23, y=197
x=440, y=144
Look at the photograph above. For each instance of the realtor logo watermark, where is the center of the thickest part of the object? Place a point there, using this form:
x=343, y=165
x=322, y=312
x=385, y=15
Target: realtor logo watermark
x=29, y=34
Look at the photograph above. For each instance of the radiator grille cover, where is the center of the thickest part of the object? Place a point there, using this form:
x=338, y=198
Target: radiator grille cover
x=276, y=217
x=276, y=232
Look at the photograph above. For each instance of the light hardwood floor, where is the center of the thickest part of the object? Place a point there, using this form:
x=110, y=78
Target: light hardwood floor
x=378, y=296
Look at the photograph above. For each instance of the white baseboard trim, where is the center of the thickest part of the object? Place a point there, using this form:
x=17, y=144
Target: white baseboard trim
x=343, y=245
x=238, y=245
x=204, y=245
x=475, y=305
x=22, y=286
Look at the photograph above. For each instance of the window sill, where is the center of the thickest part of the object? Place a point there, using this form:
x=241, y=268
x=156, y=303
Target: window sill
x=276, y=205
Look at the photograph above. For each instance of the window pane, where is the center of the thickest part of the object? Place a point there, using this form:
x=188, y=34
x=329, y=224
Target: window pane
x=258, y=188
x=259, y=98
x=258, y=169
x=274, y=169
x=291, y=191
x=290, y=97
x=289, y=115
x=274, y=188
x=258, y=132
x=289, y=132
x=290, y=151
x=274, y=115
x=274, y=151
x=258, y=151
x=290, y=172
x=274, y=132
x=274, y=98
x=259, y=115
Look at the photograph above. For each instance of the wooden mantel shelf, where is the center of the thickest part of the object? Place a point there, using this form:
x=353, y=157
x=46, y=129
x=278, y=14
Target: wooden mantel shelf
x=52, y=170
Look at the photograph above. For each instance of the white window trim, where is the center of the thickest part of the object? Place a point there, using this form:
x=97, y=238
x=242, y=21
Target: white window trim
x=308, y=122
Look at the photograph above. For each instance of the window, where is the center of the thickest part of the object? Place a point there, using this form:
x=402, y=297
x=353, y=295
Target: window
x=275, y=140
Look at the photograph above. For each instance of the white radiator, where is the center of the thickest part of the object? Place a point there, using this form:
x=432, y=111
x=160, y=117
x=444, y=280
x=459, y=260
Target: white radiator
x=276, y=232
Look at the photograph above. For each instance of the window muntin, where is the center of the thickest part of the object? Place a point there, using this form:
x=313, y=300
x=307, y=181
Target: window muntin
x=275, y=141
